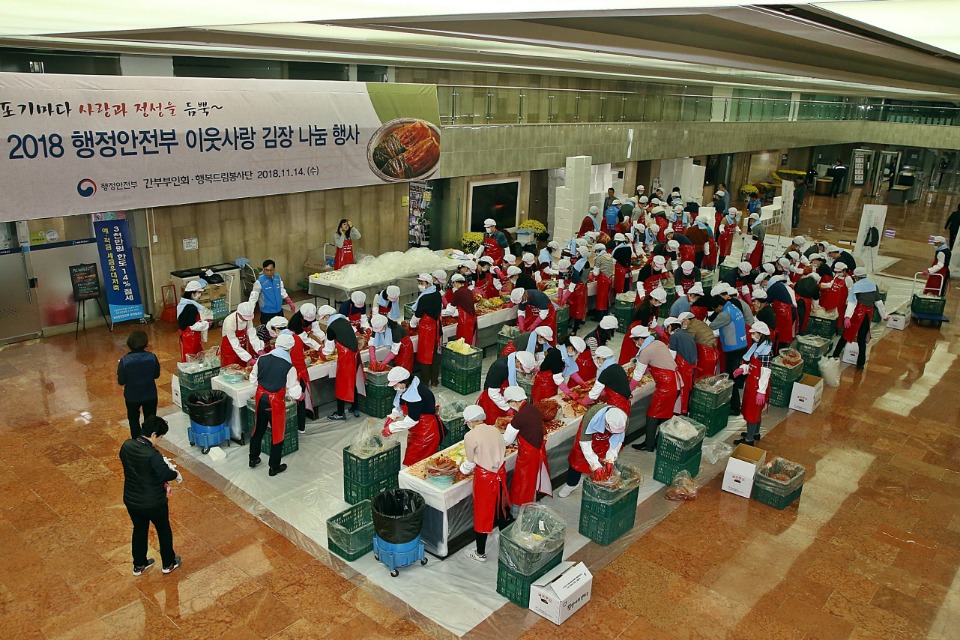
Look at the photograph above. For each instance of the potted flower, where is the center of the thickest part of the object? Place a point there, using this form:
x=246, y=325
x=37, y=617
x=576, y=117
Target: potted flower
x=471, y=241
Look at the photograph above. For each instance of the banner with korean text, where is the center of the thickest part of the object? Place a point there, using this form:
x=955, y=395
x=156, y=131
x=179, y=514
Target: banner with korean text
x=84, y=144
x=119, y=271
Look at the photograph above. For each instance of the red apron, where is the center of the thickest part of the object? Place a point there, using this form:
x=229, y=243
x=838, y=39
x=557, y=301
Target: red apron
x=652, y=283
x=508, y=349
x=620, y=274
x=615, y=399
x=405, y=356
x=726, y=239
x=678, y=226
x=349, y=376
x=578, y=302
x=699, y=311
x=717, y=219
x=227, y=355
x=428, y=340
x=706, y=361
x=748, y=406
x=710, y=261
x=861, y=313
x=588, y=368
x=786, y=328
x=836, y=296
x=531, y=476
x=543, y=386
x=756, y=256
x=344, y=255
x=661, y=221
x=466, y=327
x=489, y=497
x=484, y=286
x=687, y=252
x=937, y=282
x=489, y=406
x=423, y=439
x=603, y=292
x=687, y=281
x=492, y=249
x=665, y=395
x=385, y=311
x=628, y=348
x=190, y=343
x=299, y=362
x=600, y=442
x=685, y=371
x=278, y=411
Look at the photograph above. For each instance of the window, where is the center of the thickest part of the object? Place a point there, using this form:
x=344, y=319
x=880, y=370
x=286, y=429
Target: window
x=497, y=199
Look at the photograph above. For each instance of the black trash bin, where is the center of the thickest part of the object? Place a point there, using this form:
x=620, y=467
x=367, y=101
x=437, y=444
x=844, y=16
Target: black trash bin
x=397, y=515
x=208, y=408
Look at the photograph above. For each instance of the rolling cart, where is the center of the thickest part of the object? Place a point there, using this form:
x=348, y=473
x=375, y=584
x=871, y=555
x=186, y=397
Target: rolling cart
x=397, y=520
x=927, y=308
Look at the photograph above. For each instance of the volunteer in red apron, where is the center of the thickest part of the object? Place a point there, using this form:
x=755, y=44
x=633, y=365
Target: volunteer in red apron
x=426, y=319
x=559, y=364
x=597, y=338
x=355, y=310
x=685, y=277
x=414, y=411
x=599, y=440
x=784, y=306
x=758, y=233
x=463, y=308
x=535, y=342
x=304, y=323
x=681, y=247
x=387, y=303
x=706, y=344
x=439, y=278
x=699, y=304
x=190, y=320
x=534, y=309
x=349, y=379
x=612, y=383
x=299, y=361
x=494, y=241
x=590, y=222
x=655, y=356
x=604, y=269
x=387, y=333
x=502, y=374
x=622, y=256
x=756, y=366
x=240, y=344
x=676, y=218
x=763, y=312
x=485, y=452
x=729, y=229
x=276, y=380
x=864, y=296
x=939, y=271
x=343, y=239
x=531, y=476
x=835, y=290
x=646, y=315
x=576, y=286
x=710, y=258
x=486, y=284
x=684, y=350
x=652, y=275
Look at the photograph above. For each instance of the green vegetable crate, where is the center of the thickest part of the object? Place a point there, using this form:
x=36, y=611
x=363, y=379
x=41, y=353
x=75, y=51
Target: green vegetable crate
x=723, y=270
x=515, y=586
x=505, y=337
x=459, y=380
x=623, y=312
x=604, y=518
x=768, y=496
x=774, y=492
x=291, y=441
x=198, y=380
x=710, y=400
x=563, y=318
x=671, y=451
x=930, y=305
x=450, y=359
x=715, y=420
x=814, y=348
x=378, y=403
x=665, y=471
x=823, y=327
x=354, y=492
x=456, y=429
x=350, y=532
x=370, y=470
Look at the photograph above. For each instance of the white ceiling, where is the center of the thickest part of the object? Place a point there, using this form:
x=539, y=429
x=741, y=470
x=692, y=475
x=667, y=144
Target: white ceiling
x=932, y=22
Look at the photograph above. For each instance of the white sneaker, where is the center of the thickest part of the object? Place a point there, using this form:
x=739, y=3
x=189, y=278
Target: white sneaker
x=566, y=490
x=473, y=555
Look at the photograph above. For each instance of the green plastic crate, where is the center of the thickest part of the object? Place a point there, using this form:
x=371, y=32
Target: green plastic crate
x=623, y=312
x=463, y=382
x=198, y=380
x=723, y=270
x=376, y=379
x=715, y=420
x=450, y=359
x=812, y=367
x=823, y=327
x=354, y=492
x=291, y=440
x=502, y=342
x=709, y=400
x=408, y=311
x=515, y=587
x=665, y=471
x=780, y=395
x=375, y=406
x=456, y=429
x=602, y=522
x=927, y=305
x=671, y=452
x=250, y=415
x=563, y=314
x=563, y=331
x=784, y=376
x=376, y=467
x=350, y=532
x=813, y=351
x=769, y=496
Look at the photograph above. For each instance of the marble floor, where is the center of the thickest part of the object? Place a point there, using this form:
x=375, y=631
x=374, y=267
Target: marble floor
x=872, y=551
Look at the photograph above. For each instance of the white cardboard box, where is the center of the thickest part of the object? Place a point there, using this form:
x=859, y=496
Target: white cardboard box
x=807, y=393
x=850, y=353
x=175, y=390
x=897, y=321
x=561, y=592
x=741, y=469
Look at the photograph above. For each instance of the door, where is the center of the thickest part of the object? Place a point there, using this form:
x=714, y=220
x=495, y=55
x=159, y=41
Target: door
x=19, y=319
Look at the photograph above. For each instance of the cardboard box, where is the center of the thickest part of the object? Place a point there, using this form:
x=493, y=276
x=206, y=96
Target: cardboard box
x=741, y=470
x=175, y=390
x=850, y=353
x=897, y=321
x=807, y=393
x=561, y=592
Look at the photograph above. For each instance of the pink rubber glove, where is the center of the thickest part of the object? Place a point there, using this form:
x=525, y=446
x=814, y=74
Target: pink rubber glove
x=372, y=352
x=847, y=322
x=293, y=308
x=925, y=272
x=634, y=384
x=738, y=372
x=585, y=401
x=390, y=356
x=761, y=399
x=564, y=389
x=536, y=323
x=577, y=379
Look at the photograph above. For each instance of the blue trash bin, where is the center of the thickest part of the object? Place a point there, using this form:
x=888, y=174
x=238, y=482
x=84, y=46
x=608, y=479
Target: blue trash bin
x=397, y=556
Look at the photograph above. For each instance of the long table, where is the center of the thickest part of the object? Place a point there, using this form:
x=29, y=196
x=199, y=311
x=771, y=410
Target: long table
x=449, y=510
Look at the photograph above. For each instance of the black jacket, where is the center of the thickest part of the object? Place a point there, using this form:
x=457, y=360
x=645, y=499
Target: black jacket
x=144, y=473
x=137, y=373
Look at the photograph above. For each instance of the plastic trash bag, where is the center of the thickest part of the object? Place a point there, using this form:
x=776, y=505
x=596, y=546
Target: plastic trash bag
x=208, y=408
x=624, y=479
x=714, y=384
x=397, y=515
x=830, y=371
x=683, y=432
x=535, y=536
x=781, y=475
x=451, y=408
x=370, y=440
x=683, y=488
x=714, y=452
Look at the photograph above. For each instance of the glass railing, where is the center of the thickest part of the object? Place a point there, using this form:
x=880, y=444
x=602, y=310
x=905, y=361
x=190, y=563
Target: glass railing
x=491, y=105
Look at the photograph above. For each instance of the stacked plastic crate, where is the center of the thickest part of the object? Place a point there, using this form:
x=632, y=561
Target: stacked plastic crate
x=350, y=532
x=710, y=403
x=460, y=372
x=196, y=376
x=365, y=474
x=529, y=548
x=378, y=401
x=563, y=323
x=679, y=448
x=607, y=511
x=623, y=311
x=812, y=348
x=782, y=378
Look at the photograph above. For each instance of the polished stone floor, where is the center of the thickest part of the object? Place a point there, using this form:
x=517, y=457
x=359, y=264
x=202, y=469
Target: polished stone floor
x=872, y=551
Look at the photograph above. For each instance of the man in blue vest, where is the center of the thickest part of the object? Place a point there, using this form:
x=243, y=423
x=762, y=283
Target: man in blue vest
x=730, y=326
x=269, y=290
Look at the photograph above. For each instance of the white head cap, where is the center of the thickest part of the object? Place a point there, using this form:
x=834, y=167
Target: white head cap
x=616, y=420
x=860, y=272
x=759, y=293
x=696, y=289
x=833, y=249
x=938, y=239
x=608, y=322
x=457, y=278
x=486, y=260
x=672, y=245
x=754, y=216
x=687, y=266
x=393, y=292
x=397, y=374
x=489, y=222
x=799, y=241
x=655, y=201
x=425, y=277
x=793, y=255
x=839, y=266
x=469, y=264
x=594, y=210
x=659, y=260
x=509, y=258
x=358, y=298
x=325, y=310
x=733, y=210
x=769, y=268
x=671, y=321
x=553, y=244
x=678, y=209
x=641, y=188
x=604, y=352
x=564, y=264
x=516, y=296
x=245, y=310
x=528, y=258
x=378, y=322
x=285, y=342
x=439, y=275
x=686, y=315
x=763, y=275
x=659, y=294
x=513, y=271
x=721, y=193
x=578, y=343
x=745, y=267
x=760, y=327
x=545, y=332
x=619, y=237
x=276, y=323
x=474, y=413
x=514, y=394
x=654, y=229
x=639, y=331
x=616, y=202
x=308, y=311
x=784, y=262
x=193, y=285
x=526, y=360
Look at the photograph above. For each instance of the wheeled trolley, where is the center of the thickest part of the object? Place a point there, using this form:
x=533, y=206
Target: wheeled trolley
x=928, y=307
x=397, y=556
